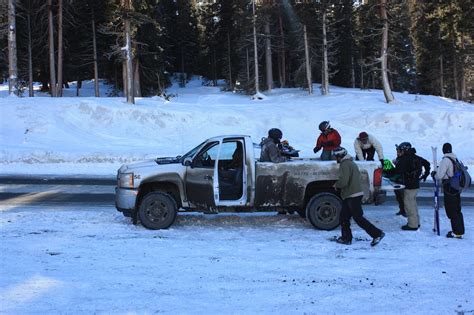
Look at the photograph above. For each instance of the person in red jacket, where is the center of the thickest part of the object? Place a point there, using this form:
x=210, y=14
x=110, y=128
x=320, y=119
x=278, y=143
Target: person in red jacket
x=328, y=140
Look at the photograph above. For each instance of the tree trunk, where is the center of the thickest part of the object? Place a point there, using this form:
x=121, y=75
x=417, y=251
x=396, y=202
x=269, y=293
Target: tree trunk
x=255, y=48
x=136, y=78
x=96, y=67
x=455, y=70
x=30, y=54
x=214, y=66
x=307, y=62
x=441, y=75
x=383, y=53
x=60, y=48
x=268, y=57
x=183, y=73
x=325, y=79
x=231, y=85
x=12, y=55
x=247, y=63
x=52, y=65
x=124, y=78
x=353, y=79
x=129, y=57
x=283, y=57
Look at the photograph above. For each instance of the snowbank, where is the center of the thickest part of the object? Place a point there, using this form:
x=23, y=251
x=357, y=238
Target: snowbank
x=88, y=135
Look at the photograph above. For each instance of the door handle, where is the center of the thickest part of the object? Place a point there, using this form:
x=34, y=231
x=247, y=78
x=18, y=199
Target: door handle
x=208, y=177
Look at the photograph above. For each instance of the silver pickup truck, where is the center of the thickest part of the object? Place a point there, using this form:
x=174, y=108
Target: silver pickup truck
x=223, y=174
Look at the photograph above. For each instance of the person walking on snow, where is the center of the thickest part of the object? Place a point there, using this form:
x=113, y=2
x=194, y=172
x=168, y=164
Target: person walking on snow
x=351, y=193
x=365, y=146
x=452, y=198
x=270, y=151
x=328, y=140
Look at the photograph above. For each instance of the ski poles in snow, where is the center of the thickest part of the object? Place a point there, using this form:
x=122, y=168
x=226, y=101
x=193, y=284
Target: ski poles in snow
x=436, y=194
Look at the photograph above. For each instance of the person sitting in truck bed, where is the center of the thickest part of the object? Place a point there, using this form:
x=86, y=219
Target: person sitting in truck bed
x=270, y=151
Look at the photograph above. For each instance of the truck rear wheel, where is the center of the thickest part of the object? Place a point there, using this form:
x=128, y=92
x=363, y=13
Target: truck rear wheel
x=157, y=210
x=324, y=210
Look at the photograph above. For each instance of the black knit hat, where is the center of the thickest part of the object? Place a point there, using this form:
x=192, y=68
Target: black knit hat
x=447, y=148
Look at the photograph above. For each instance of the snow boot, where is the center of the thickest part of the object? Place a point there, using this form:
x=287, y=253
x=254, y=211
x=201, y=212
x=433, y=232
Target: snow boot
x=377, y=240
x=344, y=241
x=452, y=235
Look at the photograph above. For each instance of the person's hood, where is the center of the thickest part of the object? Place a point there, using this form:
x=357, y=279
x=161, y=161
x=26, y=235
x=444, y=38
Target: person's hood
x=347, y=157
x=451, y=155
x=266, y=141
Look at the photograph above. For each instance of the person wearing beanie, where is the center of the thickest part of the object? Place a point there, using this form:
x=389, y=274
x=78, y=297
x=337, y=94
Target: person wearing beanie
x=351, y=193
x=452, y=198
x=365, y=146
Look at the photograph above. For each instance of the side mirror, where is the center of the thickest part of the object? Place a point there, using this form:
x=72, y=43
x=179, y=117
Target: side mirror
x=188, y=162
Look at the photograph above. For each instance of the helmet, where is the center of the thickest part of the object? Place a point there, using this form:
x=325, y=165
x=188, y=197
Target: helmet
x=275, y=134
x=324, y=125
x=363, y=135
x=404, y=146
x=339, y=152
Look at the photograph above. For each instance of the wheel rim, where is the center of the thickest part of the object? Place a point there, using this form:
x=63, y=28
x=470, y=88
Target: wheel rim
x=326, y=213
x=157, y=211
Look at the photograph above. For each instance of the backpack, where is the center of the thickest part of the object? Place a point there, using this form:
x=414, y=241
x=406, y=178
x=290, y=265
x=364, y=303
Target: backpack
x=461, y=178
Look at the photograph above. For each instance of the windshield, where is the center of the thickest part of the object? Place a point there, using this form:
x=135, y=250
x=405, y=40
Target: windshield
x=192, y=152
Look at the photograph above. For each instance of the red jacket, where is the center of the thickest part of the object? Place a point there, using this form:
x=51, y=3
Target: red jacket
x=330, y=141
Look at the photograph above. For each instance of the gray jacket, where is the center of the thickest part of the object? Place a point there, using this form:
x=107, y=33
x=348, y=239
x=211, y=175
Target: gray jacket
x=270, y=152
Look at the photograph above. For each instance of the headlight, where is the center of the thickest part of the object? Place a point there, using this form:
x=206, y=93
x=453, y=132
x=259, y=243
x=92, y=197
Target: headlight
x=125, y=180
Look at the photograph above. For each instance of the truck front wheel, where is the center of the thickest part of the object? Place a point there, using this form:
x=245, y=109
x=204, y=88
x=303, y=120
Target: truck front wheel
x=157, y=210
x=324, y=210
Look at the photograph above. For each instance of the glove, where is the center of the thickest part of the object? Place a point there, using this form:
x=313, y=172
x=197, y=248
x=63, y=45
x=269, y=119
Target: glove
x=433, y=174
x=316, y=149
x=381, y=162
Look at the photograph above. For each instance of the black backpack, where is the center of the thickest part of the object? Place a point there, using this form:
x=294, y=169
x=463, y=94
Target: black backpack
x=461, y=178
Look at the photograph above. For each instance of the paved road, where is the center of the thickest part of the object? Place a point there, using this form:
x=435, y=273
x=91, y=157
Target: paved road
x=99, y=191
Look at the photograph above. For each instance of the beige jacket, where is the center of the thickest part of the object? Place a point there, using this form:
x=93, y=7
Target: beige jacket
x=445, y=169
x=372, y=142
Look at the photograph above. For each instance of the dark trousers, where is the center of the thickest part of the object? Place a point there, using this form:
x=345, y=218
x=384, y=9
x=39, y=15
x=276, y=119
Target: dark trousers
x=352, y=208
x=452, y=205
x=368, y=154
x=399, y=196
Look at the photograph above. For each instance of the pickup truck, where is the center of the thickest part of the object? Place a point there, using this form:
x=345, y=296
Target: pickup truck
x=223, y=174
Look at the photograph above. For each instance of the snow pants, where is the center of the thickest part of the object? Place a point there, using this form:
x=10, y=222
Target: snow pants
x=368, y=154
x=399, y=195
x=411, y=208
x=326, y=155
x=452, y=205
x=352, y=208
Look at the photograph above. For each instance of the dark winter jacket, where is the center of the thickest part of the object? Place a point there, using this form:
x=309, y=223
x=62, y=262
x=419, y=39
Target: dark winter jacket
x=349, y=178
x=409, y=166
x=328, y=142
x=270, y=152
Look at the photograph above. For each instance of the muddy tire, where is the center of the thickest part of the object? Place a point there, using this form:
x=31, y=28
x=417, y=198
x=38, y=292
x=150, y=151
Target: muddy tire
x=324, y=210
x=157, y=210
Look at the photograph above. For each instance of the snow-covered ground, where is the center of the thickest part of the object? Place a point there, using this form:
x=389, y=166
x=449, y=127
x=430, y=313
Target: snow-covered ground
x=88, y=135
x=71, y=260
x=80, y=259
